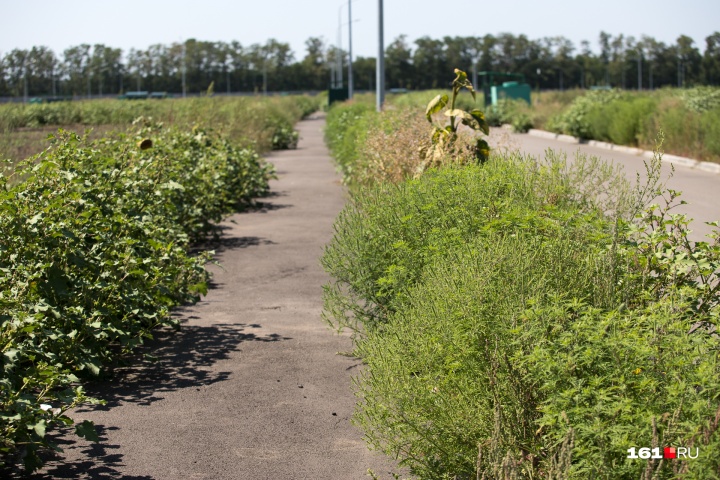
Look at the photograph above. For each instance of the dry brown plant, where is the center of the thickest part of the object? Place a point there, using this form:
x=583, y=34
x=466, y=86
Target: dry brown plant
x=393, y=149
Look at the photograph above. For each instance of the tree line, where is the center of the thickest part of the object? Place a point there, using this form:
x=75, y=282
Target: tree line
x=191, y=66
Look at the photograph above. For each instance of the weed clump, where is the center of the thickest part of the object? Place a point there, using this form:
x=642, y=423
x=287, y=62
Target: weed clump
x=528, y=318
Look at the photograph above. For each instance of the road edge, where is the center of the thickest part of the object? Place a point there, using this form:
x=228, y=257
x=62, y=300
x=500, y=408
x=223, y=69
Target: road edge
x=709, y=167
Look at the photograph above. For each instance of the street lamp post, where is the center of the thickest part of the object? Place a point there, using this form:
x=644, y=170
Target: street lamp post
x=339, y=52
x=350, y=59
x=380, y=66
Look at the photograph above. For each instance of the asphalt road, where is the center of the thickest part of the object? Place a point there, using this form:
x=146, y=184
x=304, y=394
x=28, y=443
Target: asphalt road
x=699, y=188
x=253, y=386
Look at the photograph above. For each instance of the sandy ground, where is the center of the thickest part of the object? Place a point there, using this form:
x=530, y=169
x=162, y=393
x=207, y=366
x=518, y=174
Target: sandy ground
x=253, y=386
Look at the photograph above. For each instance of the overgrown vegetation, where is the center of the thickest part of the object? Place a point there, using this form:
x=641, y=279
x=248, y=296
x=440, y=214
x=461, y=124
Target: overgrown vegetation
x=395, y=145
x=690, y=118
x=525, y=318
x=262, y=123
x=96, y=250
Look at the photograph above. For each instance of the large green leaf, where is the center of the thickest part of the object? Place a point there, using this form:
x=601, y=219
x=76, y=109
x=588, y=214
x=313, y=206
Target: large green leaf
x=482, y=150
x=479, y=116
x=39, y=428
x=435, y=105
x=462, y=114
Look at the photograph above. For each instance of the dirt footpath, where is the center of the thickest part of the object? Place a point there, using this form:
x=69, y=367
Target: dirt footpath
x=252, y=387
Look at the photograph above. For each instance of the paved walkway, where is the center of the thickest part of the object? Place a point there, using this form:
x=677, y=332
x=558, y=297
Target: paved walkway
x=252, y=387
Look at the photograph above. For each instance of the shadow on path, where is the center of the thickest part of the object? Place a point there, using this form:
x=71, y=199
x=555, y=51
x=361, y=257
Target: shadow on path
x=225, y=243
x=174, y=360
x=170, y=361
x=101, y=462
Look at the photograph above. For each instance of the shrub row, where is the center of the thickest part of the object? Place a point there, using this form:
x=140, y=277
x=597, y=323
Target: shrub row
x=94, y=252
x=264, y=123
x=515, y=326
x=689, y=118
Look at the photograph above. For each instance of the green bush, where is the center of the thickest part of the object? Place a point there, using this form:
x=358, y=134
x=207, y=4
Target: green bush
x=622, y=121
x=574, y=120
x=94, y=253
x=387, y=233
x=211, y=178
x=346, y=129
x=258, y=122
x=503, y=363
x=688, y=132
x=510, y=112
x=442, y=380
x=710, y=125
x=522, y=122
x=701, y=99
x=689, y=118
x=513, y=326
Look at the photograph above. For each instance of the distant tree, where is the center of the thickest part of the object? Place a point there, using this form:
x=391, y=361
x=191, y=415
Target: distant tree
x=652, y=50
x=430, y=63
x=617, y=61
x=605, y=52
x=15, y=65
x=488, y=60
x=459, y=52
x=690, y=61
x=4, y=90
x=399, y=69
x=591, y=68
x=364, y=73
x=546, y=63
x=314, y=64
x=711, y=60
x=105, y=65
x=76, y=69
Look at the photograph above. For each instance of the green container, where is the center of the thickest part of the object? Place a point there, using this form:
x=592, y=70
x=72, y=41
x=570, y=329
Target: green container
x=510, y=90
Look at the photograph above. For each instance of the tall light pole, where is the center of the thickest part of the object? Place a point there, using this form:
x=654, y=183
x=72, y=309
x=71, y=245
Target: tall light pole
x=350, y=59
x=339, y=52
x=380, y=65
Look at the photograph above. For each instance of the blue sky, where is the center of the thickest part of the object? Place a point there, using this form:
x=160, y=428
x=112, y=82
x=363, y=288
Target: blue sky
x=134, y=23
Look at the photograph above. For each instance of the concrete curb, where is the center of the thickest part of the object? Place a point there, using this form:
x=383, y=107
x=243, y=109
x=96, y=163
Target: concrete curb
x=709, y=167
